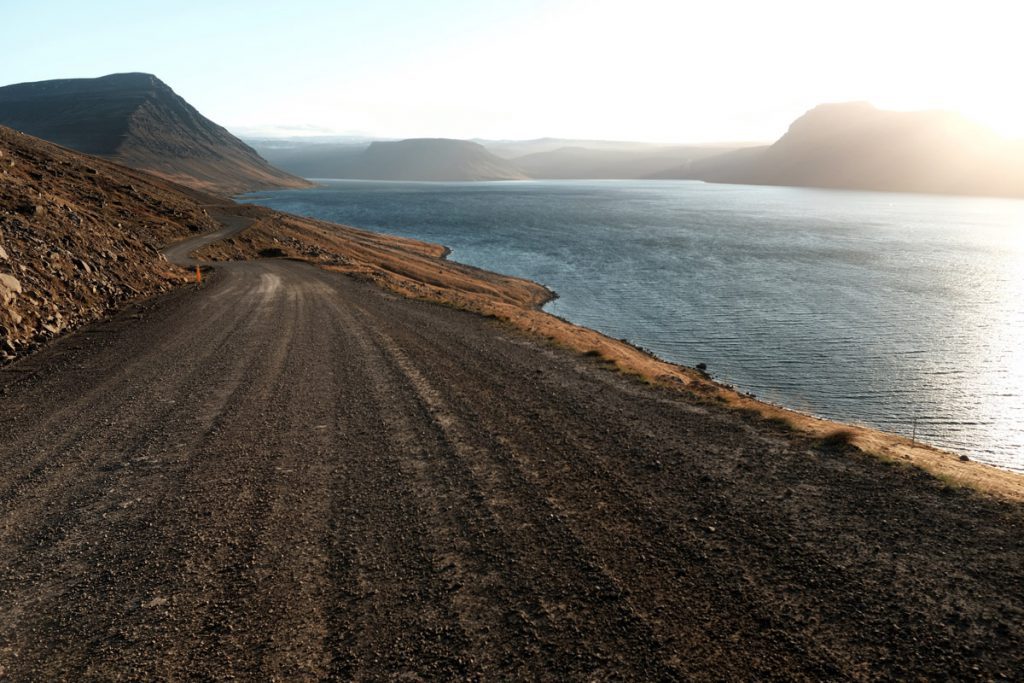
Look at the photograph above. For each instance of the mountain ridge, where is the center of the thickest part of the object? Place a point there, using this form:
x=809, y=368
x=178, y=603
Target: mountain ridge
x=854, y=145
x=138, y=120
x=843, y=145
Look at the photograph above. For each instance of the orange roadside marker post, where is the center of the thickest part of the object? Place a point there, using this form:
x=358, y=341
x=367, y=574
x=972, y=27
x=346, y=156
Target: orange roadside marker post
x=199, y=276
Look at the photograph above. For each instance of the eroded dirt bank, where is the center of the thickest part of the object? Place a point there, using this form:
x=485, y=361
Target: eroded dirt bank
x=291, y=473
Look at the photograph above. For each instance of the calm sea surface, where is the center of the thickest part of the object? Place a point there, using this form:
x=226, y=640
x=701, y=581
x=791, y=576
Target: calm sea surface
x=874, y=308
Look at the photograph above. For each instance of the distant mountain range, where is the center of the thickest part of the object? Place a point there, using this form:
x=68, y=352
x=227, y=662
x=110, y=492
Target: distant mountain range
x=311, y=158
x=448, y=159
x=845, y=146
x=137, y=120
x=856, y=146
x=580, y=162
x=433, y=159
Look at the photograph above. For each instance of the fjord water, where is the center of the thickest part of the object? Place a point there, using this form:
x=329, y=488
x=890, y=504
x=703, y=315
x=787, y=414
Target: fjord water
x=874, y=308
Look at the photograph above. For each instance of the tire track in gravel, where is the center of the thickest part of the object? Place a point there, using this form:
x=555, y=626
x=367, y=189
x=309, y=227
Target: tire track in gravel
x=619, y=526
x=462, y=553
x=396, y=532
x=87, y=417
x=89, y=448
x=526, y=522
x=224, y=521
x=195, y=415
x=684, y=563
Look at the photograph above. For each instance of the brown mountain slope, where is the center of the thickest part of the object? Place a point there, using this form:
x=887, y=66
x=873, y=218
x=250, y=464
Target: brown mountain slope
x=137, y=120
x=79, y=237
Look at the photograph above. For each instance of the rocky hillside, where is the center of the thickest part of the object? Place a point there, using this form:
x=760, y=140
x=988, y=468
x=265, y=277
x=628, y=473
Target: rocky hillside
x=856, y=146
x=79, y=237
x=137, y=120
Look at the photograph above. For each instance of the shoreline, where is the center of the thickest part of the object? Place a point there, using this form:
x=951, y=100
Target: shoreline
x=890, y=446
x=725, y=384
x=519, y=302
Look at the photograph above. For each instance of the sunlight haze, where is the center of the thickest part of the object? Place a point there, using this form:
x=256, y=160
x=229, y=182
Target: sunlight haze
x=645, y=70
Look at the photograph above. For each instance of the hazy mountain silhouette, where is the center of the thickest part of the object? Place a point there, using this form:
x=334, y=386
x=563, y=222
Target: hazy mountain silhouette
x=137, y=120
x=416, y=159
x=640, y=161
x=434, y=159
x=311, y=158
x=856, y=146
x=513, y=149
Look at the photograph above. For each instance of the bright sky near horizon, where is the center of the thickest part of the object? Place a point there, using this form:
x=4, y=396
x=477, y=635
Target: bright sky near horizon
x=657, y=70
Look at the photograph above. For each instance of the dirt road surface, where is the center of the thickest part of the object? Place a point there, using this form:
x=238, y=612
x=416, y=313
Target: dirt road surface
x=289, y=474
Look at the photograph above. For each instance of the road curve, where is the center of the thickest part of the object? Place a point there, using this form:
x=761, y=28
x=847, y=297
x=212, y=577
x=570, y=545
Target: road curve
x=180, y=253
x=289, y=474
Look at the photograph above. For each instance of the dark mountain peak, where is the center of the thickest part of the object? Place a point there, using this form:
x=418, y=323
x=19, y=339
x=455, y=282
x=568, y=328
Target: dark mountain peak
x=138, y=120
x=132, y=78
x=135, y=81
x=141, y=83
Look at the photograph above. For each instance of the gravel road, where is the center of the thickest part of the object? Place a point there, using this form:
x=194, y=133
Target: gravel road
x=290, y=474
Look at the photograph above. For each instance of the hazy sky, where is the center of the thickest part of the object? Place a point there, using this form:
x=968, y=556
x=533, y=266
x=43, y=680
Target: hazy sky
x=638, y=69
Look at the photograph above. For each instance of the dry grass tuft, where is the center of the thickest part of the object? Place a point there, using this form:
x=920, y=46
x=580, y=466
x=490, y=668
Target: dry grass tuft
x=780, y=423
x=838, y=441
